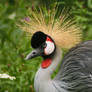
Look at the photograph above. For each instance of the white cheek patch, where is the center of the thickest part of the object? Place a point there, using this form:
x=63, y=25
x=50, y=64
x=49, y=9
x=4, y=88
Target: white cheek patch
x=49, y=48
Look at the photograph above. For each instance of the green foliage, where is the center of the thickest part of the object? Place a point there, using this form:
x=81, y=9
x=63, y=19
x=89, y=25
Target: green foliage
x=14, y=45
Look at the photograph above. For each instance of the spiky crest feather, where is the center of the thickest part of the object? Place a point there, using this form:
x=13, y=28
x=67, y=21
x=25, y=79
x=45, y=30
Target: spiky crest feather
x=64, y=31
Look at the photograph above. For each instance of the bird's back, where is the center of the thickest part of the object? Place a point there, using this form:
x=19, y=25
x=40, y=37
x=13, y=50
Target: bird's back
x=76, y=69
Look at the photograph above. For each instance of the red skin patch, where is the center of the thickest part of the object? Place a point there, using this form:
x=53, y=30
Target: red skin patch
x=46, y=63
x=48, y=39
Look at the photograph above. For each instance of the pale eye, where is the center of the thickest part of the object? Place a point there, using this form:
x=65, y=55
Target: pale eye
x=44, y=45
x=49, y=48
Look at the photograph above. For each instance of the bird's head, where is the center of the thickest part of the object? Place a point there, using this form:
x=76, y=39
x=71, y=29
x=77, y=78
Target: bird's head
x=43, y=45
x=62, y=29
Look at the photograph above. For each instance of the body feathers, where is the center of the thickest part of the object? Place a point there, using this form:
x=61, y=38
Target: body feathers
x=76, y=68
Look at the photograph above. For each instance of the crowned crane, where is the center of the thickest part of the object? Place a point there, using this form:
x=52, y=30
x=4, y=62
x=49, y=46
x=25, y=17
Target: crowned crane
x=48, y=39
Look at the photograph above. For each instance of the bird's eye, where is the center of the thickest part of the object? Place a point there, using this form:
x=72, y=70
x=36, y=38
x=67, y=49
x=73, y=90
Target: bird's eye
x=44, y=45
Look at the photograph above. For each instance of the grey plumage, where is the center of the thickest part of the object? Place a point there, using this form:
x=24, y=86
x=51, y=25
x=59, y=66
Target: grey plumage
x=76, y=69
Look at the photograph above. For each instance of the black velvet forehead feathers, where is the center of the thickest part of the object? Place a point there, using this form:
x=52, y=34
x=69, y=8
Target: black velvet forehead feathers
x=37, y=39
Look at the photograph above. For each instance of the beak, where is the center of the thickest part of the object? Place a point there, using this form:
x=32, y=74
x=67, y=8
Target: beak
x=33, y=54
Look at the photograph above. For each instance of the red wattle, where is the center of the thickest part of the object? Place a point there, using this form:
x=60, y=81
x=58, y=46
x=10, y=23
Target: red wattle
x=46, y=63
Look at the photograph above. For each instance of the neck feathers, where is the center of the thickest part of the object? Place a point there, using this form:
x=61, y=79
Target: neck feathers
x=43, y=76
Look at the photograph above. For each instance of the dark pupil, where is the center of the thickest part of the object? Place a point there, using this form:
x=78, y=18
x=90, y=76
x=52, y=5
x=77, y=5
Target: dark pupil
x=44, y=45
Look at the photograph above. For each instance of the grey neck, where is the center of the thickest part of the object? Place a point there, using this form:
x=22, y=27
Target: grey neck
x=43, y=76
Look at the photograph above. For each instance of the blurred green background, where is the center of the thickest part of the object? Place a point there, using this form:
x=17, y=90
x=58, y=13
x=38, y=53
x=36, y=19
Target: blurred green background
x=14, y=45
